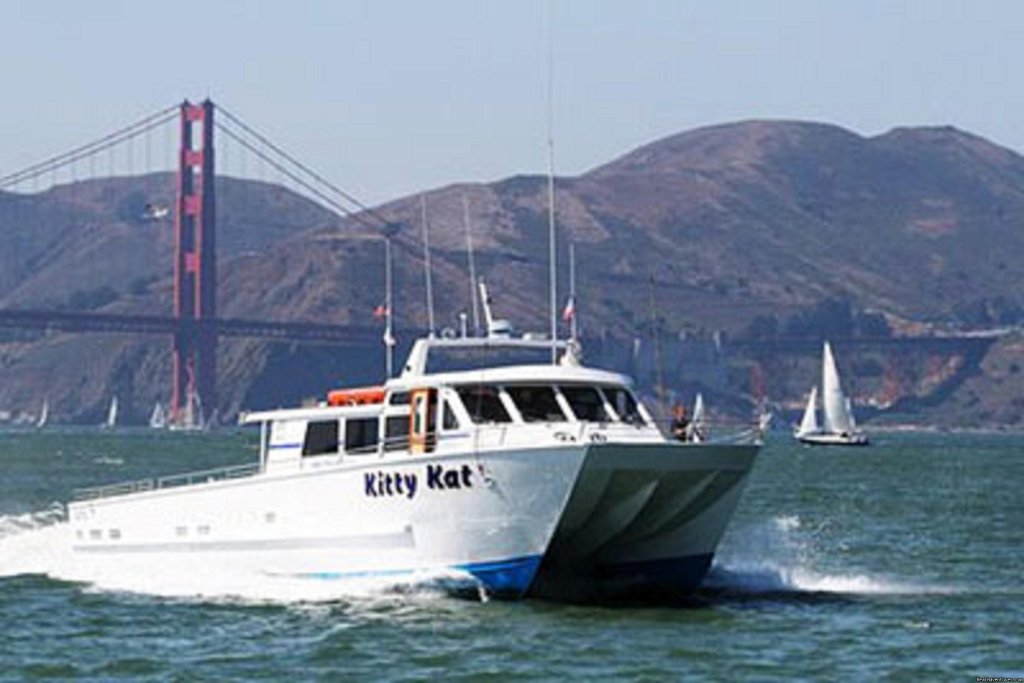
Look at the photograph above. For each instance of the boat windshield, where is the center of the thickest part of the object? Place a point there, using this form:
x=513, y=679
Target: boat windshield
x=483, y=403
x=536, y=403
x=624, y=405
x=586, y=403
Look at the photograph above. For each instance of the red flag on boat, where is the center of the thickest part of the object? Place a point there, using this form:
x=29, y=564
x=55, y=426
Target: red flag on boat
x=570, y=310
x=380, y=312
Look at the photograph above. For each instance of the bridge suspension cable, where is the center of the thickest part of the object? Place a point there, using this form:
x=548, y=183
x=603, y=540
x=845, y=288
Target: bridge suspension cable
x=90, y=149
x=296, y=171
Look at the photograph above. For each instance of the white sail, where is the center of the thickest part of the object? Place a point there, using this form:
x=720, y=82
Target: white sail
x=190, y=418
x=698, y=428
x=809, y=425
x=112, y=413
x=698, y=410
x=44, y=415
x=836, y=411
x=193, y=415
x=158, y=418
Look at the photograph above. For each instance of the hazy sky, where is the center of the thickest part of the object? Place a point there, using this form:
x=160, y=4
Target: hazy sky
x=387, y=98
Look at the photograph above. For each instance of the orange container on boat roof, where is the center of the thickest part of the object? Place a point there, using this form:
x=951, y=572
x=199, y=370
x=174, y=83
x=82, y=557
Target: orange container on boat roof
x=355, y=397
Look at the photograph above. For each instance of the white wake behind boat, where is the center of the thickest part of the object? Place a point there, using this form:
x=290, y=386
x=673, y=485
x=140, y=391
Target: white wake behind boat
x=536, y=479
x=839, y=428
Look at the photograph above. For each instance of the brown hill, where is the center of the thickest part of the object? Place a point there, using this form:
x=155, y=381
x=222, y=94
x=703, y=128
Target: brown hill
x=729, y=223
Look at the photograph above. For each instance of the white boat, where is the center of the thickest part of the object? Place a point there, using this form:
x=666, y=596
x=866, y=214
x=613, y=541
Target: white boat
x=534, y=479
x=838, y=428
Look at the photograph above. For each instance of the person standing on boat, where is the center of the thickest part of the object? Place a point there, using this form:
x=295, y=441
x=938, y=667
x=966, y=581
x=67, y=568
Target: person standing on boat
x=680, y=422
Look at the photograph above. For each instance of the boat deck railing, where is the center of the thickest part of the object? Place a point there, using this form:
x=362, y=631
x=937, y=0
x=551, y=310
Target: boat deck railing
x=171, y=481
x=721, y=431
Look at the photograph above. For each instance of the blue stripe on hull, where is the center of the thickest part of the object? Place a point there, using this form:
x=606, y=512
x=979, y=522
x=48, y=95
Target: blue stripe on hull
x=506, y=578
x=501, y=578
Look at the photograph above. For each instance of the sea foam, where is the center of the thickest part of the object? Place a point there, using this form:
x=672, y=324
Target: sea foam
x=780, y=555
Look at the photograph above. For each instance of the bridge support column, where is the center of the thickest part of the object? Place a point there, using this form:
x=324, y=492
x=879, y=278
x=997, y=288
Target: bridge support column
x=195, y=270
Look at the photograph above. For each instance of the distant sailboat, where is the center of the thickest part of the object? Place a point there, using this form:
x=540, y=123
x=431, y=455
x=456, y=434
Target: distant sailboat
x=838, y=427
x=190, y=417
x=697, y=430
x=158, y=418
x=809, y=425
x=111, y=421
x=44, y=415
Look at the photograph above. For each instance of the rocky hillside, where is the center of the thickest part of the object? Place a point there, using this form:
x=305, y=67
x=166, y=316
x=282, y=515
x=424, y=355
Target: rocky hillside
x=707, y=230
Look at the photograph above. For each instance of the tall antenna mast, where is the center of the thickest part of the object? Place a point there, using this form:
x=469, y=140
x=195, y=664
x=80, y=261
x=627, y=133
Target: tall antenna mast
x=573, y=329
x=660, y=388
x=389, y=337
x=426, y=266
x=553, y=273
x=472, y=267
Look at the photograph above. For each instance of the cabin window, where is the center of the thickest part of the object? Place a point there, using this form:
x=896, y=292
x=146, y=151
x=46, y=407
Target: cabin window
x=483, y=403
x=624, y=405
x=361, y=434
x=399, y=398
x=448, y=418
x=536, y=403
x=396, y=433
x=321, y=438
x=586, y=403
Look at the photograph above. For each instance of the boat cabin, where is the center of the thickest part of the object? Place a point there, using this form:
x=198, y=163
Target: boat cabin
x=451, y=411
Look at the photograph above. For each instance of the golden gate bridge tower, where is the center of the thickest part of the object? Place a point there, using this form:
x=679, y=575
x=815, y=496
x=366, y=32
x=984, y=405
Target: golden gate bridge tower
x=194, y=381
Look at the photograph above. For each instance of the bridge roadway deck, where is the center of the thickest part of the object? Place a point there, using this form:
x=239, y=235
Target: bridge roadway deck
x=83, y=321
x=79, y=321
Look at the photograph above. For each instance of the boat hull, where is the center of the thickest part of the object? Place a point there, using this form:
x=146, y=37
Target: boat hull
x=643, y=521
x=490, y=516
x=856, y=439
x=575, y=522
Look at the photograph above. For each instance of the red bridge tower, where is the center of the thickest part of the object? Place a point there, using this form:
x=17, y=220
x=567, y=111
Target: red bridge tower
x=195, y=269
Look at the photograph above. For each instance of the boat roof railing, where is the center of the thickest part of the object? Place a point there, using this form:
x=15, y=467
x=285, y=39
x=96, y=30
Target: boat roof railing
x=419, y=357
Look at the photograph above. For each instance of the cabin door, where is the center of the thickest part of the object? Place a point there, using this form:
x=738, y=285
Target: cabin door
x=422, y=432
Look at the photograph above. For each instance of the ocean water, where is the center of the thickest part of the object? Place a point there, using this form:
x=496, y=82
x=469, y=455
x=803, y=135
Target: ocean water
x=904, y=560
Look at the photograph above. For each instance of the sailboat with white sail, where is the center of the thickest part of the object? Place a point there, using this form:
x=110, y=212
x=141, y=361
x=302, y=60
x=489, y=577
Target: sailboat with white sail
x=190, y=417
x=44, y=414
x=838, y=427
x=697, y=430
x=158, y=418
x=111, y=420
